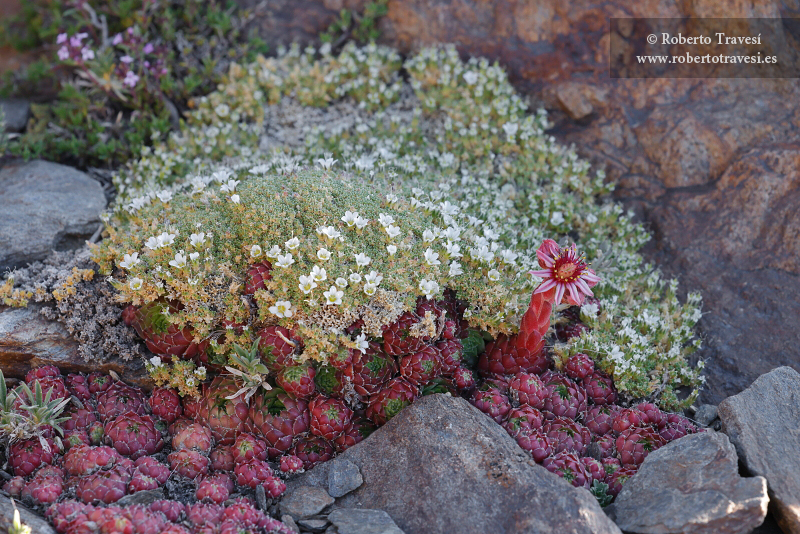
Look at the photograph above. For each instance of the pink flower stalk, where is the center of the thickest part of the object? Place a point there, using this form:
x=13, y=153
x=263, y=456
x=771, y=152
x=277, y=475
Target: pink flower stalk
x=565, y=270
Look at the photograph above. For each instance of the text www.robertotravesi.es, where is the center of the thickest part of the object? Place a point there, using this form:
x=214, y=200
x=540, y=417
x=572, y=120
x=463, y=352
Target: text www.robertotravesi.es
x=722, y=59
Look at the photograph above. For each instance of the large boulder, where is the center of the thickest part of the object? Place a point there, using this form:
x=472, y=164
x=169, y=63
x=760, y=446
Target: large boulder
x=762, y=422
x=441, y=465
x=692, y=485
x=44, y=207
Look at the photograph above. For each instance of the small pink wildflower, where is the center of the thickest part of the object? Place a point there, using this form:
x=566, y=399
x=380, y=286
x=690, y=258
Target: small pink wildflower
x=62, y=38
x=565, y=270
x=131, y=79
x=63, y=53
x=87, y=53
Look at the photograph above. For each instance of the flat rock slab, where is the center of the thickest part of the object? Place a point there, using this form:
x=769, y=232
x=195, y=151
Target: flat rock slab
x=343, y=477
x=28, y=339
x=44, y=207
x=305, y=501
x=361, y=521
x=441, y=465
x=37, y=523
x=692, y=486
x=763, y=423
x=16, y=112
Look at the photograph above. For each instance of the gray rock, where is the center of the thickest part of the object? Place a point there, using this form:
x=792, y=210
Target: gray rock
x=16, y=111
x=705, y=414
x=142, y=497
x=305, y=501
x=762, y=422
x=441, y=465
x=692, y=485
x=361, y=521
x=38, y=524
x=343, y=478
x=44, y=207
x=288, y=520
x=313, y=525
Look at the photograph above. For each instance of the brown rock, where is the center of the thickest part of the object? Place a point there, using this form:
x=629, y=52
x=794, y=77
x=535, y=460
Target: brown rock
x=37, y=523
x=762, y=422
x=441, y=465
x=692, y=485
x=27, y=339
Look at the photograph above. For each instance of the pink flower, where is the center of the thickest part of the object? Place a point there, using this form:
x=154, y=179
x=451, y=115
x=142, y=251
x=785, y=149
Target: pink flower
x=61, y=39
x=87, y=53
x=565, y=270
x=117, y=39
x=63, y=53
x=148, y=48
x=126, y=59
x=131, y=79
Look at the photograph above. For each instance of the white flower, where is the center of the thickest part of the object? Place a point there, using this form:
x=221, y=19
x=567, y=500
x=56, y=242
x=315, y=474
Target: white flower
x=429, y=288
x=432, y=258
x=591, y=218
x=393, y=231
x=319, y=274
x=274, y=252
x=391, y=198
x=282, y=308
x=155, y=361
x=164, y=196
x=179, y=261
x=453, y=250
x=373, y=278
x=136, y=283
x=222, y=110
x=198, y=239
x=327, y=163
x=385, y=220
x=255, y=251
x=229, y=186
x=482, y=254
x=341, y=282
x=417, y=191
x=166, y=239
x=362, y=260
x=361, y=222
x=428, y=237
x=307, y=284
x=285, y=260
x=333, y=296
x=293, y=243
x=350, y=217
x=194, y=255
x=355, y=278
x=130, y=260
x=590, y=310
x=370, y=288
x=190, y=381
x=235, y=199
x=511, y=129
x=324, y=254
x=200, y=372
x=391, y=249
x=508, y=256
x=557, y=218
x=493, y=275
x=361, y=343
x=455, y=269
x=471, y=77
x=448, y=209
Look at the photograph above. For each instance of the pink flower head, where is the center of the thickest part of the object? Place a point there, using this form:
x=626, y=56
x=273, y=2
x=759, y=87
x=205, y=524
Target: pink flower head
x=565, y=270
x=87, y=53
x=62, y=38
x=126, y=59
x=63, y=53
x=148, y=48
x=131, y=79
x=117, y=39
